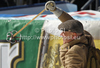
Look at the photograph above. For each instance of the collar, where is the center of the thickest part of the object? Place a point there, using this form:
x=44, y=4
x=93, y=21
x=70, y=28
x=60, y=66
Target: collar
x=82, y=39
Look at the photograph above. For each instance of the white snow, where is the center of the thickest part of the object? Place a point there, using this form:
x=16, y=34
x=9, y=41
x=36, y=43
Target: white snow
x=51, y=26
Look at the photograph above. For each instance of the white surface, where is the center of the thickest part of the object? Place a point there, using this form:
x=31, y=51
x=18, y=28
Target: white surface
x=4, y=55
x=51, y=26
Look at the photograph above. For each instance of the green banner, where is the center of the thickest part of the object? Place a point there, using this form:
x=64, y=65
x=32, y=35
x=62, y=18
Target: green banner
x=30, y=35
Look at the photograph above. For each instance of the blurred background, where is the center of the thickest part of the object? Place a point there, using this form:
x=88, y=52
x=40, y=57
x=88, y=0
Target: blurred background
x=14, y=14
x=82, y=4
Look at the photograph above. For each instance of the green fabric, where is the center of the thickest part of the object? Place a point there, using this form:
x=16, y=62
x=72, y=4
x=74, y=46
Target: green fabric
x=30, y=44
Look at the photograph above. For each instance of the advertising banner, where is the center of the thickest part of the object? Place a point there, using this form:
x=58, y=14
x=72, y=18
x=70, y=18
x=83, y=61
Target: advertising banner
x=22, y=54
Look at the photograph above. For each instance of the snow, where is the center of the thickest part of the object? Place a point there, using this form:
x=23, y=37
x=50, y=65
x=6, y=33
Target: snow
x=51, y=26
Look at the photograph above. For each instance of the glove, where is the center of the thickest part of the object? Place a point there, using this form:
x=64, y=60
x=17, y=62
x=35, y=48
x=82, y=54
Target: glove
x=50, y=5
x=62, y=15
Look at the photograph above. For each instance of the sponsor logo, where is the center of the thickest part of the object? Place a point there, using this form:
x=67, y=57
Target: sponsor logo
x=11, y=54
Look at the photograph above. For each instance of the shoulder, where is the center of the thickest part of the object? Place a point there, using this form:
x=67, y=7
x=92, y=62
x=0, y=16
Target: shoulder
x=78, y=48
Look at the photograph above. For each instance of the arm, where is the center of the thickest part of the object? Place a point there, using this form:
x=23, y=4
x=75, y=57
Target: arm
x=63, y=50
x=62, y=15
